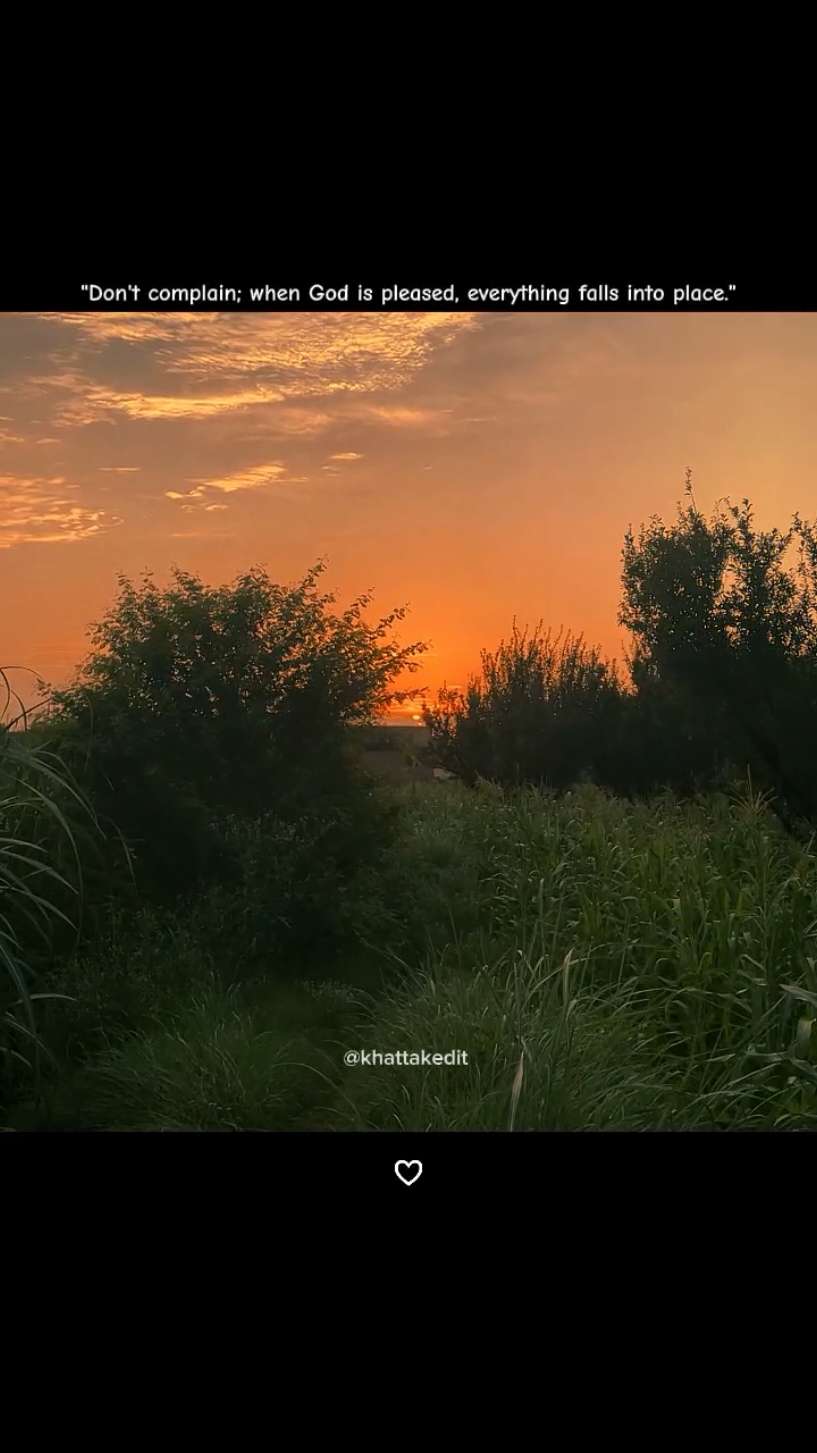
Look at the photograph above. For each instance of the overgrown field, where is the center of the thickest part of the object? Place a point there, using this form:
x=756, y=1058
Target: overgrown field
x=598, y=963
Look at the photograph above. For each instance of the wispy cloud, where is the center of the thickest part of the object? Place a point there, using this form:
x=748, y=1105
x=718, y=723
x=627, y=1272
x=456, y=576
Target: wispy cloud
x=398, y=417
x=228, y=362
x=41, y=511
x=89, y=403
x=201, y=535
x=245, y=479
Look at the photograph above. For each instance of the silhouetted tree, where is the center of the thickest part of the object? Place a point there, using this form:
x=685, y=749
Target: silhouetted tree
x=539, y=712
x=726, y=645
x=723, y=675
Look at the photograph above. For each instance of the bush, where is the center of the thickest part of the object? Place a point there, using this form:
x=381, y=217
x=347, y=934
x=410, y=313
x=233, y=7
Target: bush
x=542, y=711
x=204, y=705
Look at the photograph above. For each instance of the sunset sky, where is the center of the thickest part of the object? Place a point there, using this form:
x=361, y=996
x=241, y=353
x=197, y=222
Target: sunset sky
x=474, y=466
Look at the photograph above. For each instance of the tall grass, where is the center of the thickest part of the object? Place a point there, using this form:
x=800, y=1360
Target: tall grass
x=635, y=965
x=600, y=964
x=252, y=1057
x=34, y=789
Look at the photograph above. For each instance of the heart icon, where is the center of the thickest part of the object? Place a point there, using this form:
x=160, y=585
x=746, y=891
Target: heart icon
x=408, y=1171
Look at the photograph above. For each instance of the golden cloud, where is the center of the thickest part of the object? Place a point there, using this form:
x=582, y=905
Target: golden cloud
x=239, y=361
x=244, y=479
x=36, y=511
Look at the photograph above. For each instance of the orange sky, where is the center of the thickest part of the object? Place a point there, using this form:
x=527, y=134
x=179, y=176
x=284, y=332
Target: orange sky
x=476, y=467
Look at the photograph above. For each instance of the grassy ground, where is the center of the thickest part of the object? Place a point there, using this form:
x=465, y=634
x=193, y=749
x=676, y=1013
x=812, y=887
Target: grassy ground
x=600, y=964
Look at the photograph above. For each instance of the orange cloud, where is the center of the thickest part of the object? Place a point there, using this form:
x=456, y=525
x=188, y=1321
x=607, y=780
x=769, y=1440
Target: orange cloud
x=244, y=479
x=36, y=511
x=235, y=362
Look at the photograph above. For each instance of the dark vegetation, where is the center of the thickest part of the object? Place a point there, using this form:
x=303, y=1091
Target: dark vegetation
x=208, y=889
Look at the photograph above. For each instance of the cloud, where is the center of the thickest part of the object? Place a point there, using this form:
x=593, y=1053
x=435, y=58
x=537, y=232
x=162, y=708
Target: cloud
x=91, y=402
x=244, y=479
x=225, y=363
x=350, y=454
x=201, y=535
x=408, y=418
x=37, y=511
x=288, y=421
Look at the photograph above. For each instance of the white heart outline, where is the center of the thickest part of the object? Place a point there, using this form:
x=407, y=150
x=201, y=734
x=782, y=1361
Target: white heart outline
x=408, y=1165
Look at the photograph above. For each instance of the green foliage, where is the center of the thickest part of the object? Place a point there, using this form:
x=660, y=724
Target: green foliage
x=141, y=965
x=217, y=1063
x=45, y=825
x=538, y=713
x=602, y=962
x=723, y=676
x=200, y=704
x=637, y=965
x=726, y=646
x=306, y=891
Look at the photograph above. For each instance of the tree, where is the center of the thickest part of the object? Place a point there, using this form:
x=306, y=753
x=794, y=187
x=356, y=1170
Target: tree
x=541, y=711
x=201, y=702
x=726, y=641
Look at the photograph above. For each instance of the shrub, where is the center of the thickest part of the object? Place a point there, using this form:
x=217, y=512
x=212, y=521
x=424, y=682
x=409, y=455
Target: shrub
x=200, y=705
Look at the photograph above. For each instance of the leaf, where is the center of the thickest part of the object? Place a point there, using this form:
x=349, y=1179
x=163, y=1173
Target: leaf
x=805, y=996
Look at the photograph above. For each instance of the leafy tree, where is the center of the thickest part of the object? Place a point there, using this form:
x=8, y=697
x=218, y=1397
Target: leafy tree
x=199, y=703
x=723, y=675
x=726, y=642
